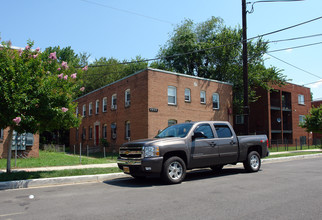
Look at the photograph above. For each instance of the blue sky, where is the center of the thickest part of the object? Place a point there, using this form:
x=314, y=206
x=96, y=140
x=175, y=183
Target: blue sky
x=124, y=29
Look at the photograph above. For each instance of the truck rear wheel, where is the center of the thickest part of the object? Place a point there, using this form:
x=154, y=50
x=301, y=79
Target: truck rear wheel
x=174, y=170
x=253, y=162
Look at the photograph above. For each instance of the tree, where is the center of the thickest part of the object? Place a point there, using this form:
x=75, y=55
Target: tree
x=36, y=92
x=104, y=71
x=212, y=50
x=313, y=121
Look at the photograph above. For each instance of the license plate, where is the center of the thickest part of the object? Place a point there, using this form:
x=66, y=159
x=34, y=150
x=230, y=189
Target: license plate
x=126, y=169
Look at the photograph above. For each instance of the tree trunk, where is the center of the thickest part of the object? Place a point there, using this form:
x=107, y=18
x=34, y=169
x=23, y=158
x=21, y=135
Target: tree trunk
x=8, y=144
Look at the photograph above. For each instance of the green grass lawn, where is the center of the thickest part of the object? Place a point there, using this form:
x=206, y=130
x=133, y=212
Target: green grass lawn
x=57, y=173
x=56, y=159
x=292, y=154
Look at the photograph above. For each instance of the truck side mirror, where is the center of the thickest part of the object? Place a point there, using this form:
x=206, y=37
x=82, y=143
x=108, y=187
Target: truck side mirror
x=198, y=134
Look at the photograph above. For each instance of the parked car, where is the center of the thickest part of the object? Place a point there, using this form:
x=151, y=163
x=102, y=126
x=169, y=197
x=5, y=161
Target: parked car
x=186, y=146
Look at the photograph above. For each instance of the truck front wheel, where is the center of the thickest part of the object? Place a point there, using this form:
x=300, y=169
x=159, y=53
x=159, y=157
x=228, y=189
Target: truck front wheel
x=253, y=162
x=174, y=170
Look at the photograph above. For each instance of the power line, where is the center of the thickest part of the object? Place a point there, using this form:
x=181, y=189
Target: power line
x=127, y=11
x=295, y=38
x=211, y=48
x=294, y=66
x=290, y=48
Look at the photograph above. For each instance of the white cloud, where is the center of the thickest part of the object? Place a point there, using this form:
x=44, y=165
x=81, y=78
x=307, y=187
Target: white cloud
x=318, y=84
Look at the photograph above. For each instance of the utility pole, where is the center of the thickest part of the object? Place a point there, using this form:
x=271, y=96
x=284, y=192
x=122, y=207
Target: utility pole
x=245, y=68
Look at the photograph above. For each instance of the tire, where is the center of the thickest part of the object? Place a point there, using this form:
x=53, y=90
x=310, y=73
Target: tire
x=253, y=162
x=174, y=170
x=217, y=168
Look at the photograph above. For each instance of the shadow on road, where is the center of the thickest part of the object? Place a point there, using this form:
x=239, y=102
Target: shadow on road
x=193, y=175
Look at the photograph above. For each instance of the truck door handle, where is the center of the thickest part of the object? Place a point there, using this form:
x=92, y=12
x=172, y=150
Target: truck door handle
x=213, y=144
x=232, y=142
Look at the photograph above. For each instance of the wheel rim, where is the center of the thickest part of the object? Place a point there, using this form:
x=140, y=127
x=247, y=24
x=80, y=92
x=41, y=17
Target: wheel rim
x=254, y=162
x=175, y=170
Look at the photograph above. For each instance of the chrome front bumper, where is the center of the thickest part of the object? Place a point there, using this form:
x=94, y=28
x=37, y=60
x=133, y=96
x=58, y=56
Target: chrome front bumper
x=125, y=162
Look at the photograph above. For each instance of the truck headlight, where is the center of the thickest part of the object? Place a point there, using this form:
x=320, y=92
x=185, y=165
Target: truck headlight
x=151, y=151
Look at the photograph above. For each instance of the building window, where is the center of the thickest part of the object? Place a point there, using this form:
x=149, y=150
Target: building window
x=90, y=132
x=203, y=97
x=302, y=119
x=127, y=98
x=76, y=111
x=84, y=110
x=172, y=95
x=301, y=99
x=215, y=101
x=239, y=119
x=90, y=108
x=172, y=122
x=104, y=104
x=104, y=131
x=187, y=95
x=1, y=133
x=114, y=102
x=84, y=133
x=127, y=130
x=113, y=131
x=97, y=106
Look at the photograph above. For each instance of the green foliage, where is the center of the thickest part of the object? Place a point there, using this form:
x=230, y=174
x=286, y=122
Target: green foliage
x=105, y=71
x=219, y=56
x=313, y=121
x=33, y=88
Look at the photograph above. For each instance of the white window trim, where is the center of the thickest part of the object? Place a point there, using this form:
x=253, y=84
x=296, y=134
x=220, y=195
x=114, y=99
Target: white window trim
x=90, y=108
x=301, y=99
x=188, y=90
x=175, y=95
x=97, y=106
x=127, y=129
x=84, y=110
x=127, y=101
x=114, y=97
x=104, y=104
x=203, y=92
x=215, y=94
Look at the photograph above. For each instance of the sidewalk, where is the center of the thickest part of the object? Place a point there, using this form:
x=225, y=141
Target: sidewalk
x=35, y=169
x=104, y=177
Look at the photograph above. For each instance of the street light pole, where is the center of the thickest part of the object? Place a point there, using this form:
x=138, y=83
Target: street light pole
x=245, y=68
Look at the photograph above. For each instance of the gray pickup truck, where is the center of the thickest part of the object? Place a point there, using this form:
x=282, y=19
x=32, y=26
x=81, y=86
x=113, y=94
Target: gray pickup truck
x=191, y=145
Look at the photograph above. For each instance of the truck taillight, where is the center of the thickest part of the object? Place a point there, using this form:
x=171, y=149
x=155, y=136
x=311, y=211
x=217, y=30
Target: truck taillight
x=263, y=141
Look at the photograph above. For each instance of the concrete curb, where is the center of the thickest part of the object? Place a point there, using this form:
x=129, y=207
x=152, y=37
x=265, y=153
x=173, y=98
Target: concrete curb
x=20, y=184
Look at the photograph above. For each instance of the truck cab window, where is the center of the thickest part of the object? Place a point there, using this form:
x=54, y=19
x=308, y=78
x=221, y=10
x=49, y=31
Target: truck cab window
x=223, y=131
x=206, y=129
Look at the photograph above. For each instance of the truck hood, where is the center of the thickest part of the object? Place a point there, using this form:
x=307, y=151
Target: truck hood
x=154, y=141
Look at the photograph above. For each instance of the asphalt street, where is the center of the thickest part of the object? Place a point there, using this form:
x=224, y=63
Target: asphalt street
x=280, y=190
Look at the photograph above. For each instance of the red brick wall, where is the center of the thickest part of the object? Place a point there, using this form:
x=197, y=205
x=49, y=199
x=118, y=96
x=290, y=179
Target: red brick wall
x=149, y=90
x=183, y=111
x=261, y=115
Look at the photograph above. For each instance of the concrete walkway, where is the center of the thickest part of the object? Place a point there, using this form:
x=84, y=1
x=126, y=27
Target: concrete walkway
x=106, y=165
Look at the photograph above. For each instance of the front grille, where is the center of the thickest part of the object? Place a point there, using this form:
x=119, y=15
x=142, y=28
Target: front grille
x=131, y=152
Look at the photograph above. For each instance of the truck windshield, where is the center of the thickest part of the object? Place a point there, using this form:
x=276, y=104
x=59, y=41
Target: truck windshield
x=179, y=130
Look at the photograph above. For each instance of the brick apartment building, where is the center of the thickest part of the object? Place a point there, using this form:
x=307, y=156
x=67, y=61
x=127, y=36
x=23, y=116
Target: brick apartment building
x=278, y=113
x=317, y=137
x=27, y=144
x=139, y=105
